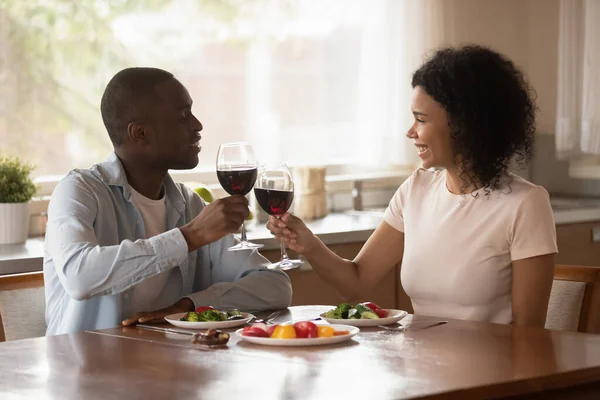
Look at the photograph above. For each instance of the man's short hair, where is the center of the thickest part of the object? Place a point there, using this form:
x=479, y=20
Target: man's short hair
x=126, y=96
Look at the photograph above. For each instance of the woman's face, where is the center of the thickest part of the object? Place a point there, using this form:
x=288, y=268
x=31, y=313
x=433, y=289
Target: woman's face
x=430, y=131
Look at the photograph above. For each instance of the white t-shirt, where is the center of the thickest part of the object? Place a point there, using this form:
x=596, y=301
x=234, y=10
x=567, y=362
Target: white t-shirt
x=147, y=295
x=458, y=249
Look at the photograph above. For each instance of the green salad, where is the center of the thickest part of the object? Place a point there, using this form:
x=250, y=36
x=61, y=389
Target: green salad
x=209, y=314
x=366, y=310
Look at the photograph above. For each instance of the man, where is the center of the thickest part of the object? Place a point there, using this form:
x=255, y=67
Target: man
x=122, y=238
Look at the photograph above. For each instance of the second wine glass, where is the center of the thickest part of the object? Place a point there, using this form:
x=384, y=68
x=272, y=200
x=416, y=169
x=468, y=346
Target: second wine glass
x=236, y=170
x=274, y=192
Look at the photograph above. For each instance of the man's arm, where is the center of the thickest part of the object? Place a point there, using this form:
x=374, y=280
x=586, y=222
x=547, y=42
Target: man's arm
x=256, y=291
x=240, y=279
x=87, y=269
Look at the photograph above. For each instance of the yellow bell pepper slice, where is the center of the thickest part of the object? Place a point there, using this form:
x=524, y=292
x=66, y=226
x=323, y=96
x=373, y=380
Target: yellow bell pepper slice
x=284, y=332
x=325, y=331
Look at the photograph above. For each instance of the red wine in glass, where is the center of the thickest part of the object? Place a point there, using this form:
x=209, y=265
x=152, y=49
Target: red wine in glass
x=274, y=192
x=238, y=180
x=237, y=172
x=274, y=202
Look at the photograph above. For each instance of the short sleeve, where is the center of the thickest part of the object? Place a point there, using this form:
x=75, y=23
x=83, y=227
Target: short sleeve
x=533, y=231
x=394, y=212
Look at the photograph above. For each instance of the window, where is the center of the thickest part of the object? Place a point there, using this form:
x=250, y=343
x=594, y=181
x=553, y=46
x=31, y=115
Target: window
x=284, y=75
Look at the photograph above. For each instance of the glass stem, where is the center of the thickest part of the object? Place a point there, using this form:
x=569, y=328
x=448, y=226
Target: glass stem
x=244, y=241
x=284, y=256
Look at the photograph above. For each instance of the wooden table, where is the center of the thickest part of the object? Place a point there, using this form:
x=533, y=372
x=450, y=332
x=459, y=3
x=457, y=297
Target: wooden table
x=459, y=360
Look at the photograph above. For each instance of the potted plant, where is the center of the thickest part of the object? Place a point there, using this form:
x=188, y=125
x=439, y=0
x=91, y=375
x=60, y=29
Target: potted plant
x=16, y=190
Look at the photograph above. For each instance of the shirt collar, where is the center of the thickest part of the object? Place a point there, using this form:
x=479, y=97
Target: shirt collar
x=112, y=173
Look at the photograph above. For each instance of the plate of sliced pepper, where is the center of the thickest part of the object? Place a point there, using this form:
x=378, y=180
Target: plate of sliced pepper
x=303, y=333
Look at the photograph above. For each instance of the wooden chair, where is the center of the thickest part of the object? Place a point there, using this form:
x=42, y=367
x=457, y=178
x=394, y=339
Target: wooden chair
x=575, y=299
x=22, y=306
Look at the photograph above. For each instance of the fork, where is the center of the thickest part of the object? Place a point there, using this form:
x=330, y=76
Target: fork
x=402, y=328
x=266, y=320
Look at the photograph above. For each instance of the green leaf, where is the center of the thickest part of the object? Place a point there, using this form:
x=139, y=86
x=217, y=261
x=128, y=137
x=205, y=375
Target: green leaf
x=16, y=185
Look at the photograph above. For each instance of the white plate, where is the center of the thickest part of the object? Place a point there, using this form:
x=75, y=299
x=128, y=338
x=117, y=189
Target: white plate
x=303, y=342
x=174, y=319
x=393, y=317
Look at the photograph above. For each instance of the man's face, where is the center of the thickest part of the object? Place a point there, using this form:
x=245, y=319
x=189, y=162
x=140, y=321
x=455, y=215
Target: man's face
x=172, y=132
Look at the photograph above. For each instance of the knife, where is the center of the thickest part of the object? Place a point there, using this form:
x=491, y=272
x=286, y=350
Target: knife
x=406, y=327
x=426, y=326
x=166, y=330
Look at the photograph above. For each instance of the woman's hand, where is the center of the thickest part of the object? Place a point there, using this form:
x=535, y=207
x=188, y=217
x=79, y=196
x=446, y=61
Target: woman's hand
x=292, y=232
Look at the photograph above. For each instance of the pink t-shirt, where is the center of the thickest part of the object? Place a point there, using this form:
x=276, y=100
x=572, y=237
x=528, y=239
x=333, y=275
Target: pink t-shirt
x=458, y=249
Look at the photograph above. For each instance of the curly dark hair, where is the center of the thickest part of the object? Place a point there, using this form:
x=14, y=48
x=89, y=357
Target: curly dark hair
x=491, y=110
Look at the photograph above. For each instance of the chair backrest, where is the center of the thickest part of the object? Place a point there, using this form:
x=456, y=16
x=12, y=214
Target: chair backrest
x=575, y=299
x=22, y=306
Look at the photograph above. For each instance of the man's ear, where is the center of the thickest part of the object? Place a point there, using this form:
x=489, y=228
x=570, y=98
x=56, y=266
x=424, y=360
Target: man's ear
x=136, y=133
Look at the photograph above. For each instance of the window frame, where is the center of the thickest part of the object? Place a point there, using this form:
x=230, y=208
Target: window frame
x=340, y=182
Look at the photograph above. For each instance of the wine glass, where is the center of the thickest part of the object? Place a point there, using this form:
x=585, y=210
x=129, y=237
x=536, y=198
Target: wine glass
x=274, y=192
x=236, y=170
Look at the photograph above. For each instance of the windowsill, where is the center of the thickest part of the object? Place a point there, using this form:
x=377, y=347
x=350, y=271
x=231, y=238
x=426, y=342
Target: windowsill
x=377, y=184
x=335, y=228
x=337, y=175
x=585, y=169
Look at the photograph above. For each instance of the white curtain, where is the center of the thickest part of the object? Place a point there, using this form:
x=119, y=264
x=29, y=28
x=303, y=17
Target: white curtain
x=335, y=87
x=578, y=108
x=397, y=37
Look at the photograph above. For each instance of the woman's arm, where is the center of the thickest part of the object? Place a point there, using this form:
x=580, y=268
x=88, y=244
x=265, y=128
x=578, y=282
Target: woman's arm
x=532, y=282
x=382, y=251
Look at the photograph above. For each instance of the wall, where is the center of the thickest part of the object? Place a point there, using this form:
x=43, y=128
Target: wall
x=527, y=32
x=524, y=30
x=498, y=24
x=542, y=58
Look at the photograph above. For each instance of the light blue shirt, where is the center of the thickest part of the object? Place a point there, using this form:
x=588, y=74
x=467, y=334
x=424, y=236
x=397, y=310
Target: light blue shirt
x=95, y=254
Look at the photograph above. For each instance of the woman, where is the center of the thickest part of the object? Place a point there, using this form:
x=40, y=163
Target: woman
x=475, y=241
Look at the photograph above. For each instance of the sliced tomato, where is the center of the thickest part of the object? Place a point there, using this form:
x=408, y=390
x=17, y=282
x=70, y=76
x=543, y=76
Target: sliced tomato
x=261, y=325
x=306, y=329
x=254, y=331
x=270, y=329
x=371, y=305
x=203, y=308
x=381, y=313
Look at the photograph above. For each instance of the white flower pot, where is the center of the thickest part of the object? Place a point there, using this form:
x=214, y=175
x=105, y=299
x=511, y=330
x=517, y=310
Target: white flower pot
x=14, y=222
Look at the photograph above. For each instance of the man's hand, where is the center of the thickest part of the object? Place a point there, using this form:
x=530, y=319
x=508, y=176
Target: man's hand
x=218, y=219
x=183, y=305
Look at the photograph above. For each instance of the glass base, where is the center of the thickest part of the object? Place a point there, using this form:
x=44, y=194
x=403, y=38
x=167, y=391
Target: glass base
x=287, y=264
x=245, y=246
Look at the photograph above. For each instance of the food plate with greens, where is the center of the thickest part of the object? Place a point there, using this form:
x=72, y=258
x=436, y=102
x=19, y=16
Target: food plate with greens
x=362, y=315
x=207, y=317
